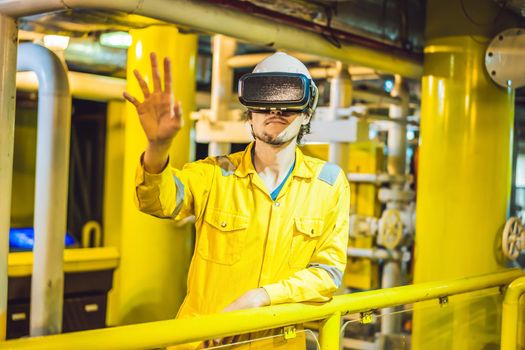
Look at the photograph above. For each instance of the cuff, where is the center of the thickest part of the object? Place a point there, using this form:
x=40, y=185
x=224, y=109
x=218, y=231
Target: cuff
x=142, y=177
x=277, y=293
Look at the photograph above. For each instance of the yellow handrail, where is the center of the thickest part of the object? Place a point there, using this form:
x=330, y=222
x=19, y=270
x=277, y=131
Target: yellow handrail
x=164, y=333
x=510, y=314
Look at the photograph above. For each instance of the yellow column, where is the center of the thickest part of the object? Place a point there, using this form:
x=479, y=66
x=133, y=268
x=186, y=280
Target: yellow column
x=464, y=171
x=155, y=254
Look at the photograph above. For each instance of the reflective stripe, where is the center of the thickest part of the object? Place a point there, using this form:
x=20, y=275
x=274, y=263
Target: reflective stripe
x=334, y=272
x=329, y=173
x=180, y=196
x=226, y=165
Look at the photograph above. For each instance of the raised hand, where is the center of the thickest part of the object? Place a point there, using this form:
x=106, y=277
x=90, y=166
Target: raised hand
x=160, y=116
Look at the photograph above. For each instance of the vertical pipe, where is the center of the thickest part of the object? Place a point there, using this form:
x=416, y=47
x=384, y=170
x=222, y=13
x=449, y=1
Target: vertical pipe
x=221, y=86
x=340, y=96
x=396, y=163
x=8, y=47
x=390, y=324
x=397, y=139
x=510, y=315
x=154, y=291
x=464, y=171
x=330, y=332
x=51, y=186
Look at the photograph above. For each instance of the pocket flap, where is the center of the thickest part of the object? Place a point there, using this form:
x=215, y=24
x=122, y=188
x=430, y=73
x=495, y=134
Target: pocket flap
x=312, y=227
x=224, y=221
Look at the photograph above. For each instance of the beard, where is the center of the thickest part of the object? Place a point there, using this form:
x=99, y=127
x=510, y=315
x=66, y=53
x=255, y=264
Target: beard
x=271, y=140
x=285, y=137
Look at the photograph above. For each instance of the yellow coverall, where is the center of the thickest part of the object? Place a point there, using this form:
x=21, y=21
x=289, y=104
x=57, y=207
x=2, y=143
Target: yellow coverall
x=293, y=247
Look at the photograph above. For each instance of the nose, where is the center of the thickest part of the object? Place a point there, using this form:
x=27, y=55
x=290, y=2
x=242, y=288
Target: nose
x=276, y=112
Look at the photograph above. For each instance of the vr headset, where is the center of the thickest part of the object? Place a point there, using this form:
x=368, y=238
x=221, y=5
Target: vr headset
x=277, y=91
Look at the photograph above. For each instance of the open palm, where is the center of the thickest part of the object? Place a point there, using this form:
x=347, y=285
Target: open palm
x=160, y=116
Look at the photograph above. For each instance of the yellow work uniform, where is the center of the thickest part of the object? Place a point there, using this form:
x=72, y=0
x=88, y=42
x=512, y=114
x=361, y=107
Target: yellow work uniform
x=293, y=247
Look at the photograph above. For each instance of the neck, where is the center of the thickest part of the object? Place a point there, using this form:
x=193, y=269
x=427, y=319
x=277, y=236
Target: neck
x=276, y=160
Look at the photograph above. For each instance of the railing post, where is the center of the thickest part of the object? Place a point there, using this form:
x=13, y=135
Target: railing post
x=510, y=315
x=329, y=332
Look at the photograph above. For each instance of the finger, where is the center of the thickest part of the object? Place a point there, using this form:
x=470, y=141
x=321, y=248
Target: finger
x=155, y=72
x=177, y=110
x=131, y=99
x=142, y=83
x=167, y=75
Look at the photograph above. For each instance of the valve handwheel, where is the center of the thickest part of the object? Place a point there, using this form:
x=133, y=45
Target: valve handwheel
x=513, y=238
x=390, y=229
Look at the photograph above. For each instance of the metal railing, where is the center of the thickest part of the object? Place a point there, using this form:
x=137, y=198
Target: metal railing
x=180, y=331
x=510, y=314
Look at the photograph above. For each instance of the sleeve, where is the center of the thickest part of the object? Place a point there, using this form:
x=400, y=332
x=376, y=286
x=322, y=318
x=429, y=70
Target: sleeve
x=324, y=273
x=173, y=193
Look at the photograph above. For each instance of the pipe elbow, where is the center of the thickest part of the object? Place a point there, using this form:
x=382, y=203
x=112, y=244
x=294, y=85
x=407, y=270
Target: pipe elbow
x=51, y=72
x=514, y=291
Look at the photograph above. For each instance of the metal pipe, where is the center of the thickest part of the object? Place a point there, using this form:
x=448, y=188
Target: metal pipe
x=378, y=179
x=396, y=162
x=390, y=323
x=180, y=331
x=52, y=171
x=340, y=97
x=374, y=254
x=357, y=73
x=83, y=85
x=207, y=17
x=329, y=332
x=8, y=47
x=250, y=60
x=397, y=135
x=221, y=87
x=510, y=315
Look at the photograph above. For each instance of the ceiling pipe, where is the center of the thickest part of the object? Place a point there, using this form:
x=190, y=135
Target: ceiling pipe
x=82, y=85
x=207, y=17
x=251, y=60
x=52, y=174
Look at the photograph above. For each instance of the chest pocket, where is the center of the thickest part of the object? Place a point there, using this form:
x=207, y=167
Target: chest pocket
x=222, y=236
x=306, y=233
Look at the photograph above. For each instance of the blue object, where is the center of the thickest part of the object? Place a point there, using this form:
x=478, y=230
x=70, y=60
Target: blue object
x=24, y=239
x=276, y=192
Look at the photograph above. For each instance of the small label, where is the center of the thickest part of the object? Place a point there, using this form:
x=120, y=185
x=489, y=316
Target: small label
x=18, y=316
x=91, y=307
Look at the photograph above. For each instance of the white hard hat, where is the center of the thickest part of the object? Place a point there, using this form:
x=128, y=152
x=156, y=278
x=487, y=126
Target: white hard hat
x=281, y=62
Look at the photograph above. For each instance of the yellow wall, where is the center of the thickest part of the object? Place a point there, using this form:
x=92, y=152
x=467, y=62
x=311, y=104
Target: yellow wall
x=464, y=173
x=155, y=255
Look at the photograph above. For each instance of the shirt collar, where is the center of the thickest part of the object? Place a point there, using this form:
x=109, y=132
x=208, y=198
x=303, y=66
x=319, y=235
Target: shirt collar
x=301, y=169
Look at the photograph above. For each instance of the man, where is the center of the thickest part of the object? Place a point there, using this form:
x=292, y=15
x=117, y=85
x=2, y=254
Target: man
x=271, y=223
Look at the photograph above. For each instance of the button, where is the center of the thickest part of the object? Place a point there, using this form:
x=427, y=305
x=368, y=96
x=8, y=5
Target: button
x=277, y=204
x=223, y=224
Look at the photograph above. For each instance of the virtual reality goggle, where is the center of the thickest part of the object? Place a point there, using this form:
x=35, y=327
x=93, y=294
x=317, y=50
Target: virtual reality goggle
x=277, y=91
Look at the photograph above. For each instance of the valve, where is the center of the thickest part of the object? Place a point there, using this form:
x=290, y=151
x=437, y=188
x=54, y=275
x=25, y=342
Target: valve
x=513, y=240
x=390, y=229
x=364, y=226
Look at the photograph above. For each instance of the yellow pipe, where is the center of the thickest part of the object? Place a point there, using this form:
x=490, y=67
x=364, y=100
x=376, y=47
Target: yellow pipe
x=180, y=331
x=329, y=332
x=150, y=283
x=464, y=178
x=510, y=316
